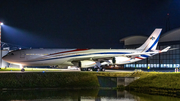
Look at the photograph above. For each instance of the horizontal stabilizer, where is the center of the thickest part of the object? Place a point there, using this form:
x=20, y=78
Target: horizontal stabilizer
x=173, y=49
x=166, y=49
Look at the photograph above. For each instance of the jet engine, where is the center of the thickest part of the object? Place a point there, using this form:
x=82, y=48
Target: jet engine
x=120, y=60
x=84, y=64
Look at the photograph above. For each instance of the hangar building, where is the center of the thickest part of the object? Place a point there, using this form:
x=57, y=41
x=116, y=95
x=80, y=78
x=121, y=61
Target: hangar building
x=170, y=59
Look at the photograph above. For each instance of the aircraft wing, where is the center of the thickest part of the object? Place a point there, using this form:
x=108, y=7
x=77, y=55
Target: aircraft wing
x=109, y=57
x=92, y=58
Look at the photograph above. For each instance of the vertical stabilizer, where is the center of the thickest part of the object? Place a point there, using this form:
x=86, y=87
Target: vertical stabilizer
x=151, y=42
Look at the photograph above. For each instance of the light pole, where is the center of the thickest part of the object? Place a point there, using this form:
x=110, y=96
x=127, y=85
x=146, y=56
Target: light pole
x=0, y=46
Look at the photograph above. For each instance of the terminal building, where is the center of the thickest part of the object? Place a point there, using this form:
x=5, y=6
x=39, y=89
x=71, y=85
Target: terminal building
x=170, y=59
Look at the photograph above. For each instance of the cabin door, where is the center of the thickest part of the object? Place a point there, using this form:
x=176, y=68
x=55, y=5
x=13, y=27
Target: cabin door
x=22, y=54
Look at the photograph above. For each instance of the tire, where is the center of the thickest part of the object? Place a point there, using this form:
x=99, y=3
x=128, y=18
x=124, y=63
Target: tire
x=22, y=70
x=89, y=69
x=103, y=69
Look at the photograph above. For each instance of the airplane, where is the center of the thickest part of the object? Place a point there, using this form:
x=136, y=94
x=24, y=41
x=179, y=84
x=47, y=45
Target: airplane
x=85, y=59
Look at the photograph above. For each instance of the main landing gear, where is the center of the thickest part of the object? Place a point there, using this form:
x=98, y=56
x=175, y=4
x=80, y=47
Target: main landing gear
x=93, y=69
x=86, y=69
x=22, y=68
x=97, y=67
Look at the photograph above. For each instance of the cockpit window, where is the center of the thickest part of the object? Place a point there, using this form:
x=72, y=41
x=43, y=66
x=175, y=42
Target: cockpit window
x=10, y=54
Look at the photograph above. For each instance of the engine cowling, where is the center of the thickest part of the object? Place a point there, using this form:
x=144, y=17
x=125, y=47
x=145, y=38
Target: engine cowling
x=120, y=60
x=84, y=64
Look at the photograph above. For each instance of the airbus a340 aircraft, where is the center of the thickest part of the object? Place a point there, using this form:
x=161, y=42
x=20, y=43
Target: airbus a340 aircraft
x=86, y=59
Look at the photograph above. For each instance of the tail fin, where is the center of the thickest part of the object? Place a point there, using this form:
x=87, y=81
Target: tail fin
x=151, y=42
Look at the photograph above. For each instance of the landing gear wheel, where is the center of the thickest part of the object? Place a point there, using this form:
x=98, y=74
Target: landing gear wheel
x=98, y=69
x=22, y=70
x=103, y=69
x=89, y=69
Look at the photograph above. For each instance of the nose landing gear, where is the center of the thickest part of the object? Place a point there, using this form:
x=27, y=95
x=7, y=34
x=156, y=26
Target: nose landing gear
x=22, y=70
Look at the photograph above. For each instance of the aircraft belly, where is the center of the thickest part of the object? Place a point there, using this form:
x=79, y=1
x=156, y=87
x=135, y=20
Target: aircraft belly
x=43, y=63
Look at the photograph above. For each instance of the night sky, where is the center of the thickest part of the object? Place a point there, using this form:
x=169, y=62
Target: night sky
x=83, y=23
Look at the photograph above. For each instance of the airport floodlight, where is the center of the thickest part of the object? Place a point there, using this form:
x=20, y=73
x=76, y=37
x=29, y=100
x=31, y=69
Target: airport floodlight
x=1, y=23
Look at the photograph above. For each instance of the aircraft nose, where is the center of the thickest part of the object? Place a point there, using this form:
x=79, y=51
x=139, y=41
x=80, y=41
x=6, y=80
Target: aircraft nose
x=8, y=56
x=5, y=58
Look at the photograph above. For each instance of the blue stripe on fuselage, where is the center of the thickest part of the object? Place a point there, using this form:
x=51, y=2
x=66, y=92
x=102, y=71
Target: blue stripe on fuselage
x=145, y=56
x=83, y=55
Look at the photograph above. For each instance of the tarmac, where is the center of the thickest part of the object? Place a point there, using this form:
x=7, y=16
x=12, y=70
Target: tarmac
x=107, y=70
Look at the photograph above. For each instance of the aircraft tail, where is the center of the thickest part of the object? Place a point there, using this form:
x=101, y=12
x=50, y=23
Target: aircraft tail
x=151, y=42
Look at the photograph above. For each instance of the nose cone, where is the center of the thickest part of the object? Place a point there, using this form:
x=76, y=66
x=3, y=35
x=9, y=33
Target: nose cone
x=4, y=57
x=9, y=57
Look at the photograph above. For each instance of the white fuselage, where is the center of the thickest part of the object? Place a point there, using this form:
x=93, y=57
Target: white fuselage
x=44, y=57
x=85, y=57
